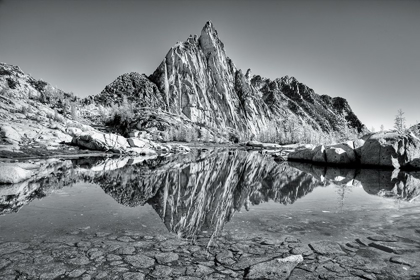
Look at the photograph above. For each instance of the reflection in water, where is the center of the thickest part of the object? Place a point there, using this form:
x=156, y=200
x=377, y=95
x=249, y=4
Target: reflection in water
x=388, y=183
x=202, y=190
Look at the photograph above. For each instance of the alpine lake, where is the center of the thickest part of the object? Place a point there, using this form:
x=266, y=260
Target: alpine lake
x=209, y=214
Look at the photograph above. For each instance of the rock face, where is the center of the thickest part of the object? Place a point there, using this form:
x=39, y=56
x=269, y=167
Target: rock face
x=198, y=81
x=35, y=117
x=137, y=88
x=390, y=149
x=98, y=141
x=387, y=150
x=101, y=142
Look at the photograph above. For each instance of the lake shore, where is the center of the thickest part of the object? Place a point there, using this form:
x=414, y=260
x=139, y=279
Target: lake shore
x=86, y=254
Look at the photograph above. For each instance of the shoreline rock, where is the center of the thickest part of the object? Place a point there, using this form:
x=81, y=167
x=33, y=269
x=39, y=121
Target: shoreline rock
x=385, y=150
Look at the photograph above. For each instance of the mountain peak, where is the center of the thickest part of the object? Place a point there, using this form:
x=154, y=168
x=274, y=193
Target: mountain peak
x=208, y=28
x=209, y=39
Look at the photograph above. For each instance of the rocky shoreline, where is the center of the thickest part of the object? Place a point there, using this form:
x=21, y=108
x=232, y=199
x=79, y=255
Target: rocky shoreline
x=86, y=255
x=389, y=252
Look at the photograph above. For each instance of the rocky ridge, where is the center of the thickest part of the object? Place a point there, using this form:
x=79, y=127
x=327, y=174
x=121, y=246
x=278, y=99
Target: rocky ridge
x=38, y=120
x=198, y=81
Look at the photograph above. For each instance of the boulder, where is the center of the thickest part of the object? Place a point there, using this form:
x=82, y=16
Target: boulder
x=101, y=142
x=137, y=143
x=390, y=150
x=73, y=131
x=275, y=269
x=340, y=154
x=319, y=154
x=302, y=153
x=10, y=134
x=12, y=174
x=414, y=164
x=358, y=143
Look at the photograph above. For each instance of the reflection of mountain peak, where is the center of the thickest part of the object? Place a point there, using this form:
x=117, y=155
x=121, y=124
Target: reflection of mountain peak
x=205, y=194
x=202, y=190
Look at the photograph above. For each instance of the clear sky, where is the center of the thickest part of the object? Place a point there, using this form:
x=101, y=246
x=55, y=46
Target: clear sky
x=365, y=51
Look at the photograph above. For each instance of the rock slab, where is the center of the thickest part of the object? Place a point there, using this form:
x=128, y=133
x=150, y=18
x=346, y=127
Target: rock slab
x=275, y=269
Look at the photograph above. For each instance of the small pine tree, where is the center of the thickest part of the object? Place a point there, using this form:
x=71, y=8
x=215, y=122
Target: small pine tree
x=399, y=122
x=382, y=128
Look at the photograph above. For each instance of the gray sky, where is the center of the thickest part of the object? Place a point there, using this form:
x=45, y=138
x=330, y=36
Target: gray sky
x=365, y=51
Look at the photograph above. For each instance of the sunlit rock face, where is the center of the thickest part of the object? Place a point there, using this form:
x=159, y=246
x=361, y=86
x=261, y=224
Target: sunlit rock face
x=197, y=80
x=202, y=83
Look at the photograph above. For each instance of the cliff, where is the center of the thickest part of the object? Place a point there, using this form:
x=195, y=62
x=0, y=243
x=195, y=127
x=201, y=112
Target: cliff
x=197, y=81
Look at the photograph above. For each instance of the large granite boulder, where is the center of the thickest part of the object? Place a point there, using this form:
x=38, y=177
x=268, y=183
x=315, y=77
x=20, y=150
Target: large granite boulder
x=340, y=154
x=303, y=153
x=9, y=134
x=319, y=154
x=101, y=142
x=390, y=150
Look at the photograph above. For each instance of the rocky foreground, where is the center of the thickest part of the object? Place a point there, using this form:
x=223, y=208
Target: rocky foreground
x=130, y=255
x=224, y=181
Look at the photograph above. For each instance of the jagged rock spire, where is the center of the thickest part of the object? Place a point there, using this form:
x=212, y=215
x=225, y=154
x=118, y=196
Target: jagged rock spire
x=209, y=40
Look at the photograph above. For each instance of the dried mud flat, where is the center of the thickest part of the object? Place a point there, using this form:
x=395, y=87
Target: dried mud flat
x=83, y=254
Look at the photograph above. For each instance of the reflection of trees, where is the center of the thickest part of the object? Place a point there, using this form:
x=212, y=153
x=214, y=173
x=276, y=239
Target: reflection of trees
x=342, y=190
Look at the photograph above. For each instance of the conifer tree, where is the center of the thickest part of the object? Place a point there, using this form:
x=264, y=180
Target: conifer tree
x=399, y=122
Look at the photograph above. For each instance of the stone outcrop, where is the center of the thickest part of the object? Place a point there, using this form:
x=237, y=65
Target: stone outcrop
x=341, y=154
x=198, y=81
x=35, y=117
x=138, y=89
x=109, y=142
x=101, y=142
x=390, y=150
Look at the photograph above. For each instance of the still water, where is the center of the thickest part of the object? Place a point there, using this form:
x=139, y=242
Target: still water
x=209, y=192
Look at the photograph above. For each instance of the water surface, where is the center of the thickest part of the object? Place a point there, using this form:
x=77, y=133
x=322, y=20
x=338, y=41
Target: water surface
x=210, y=192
